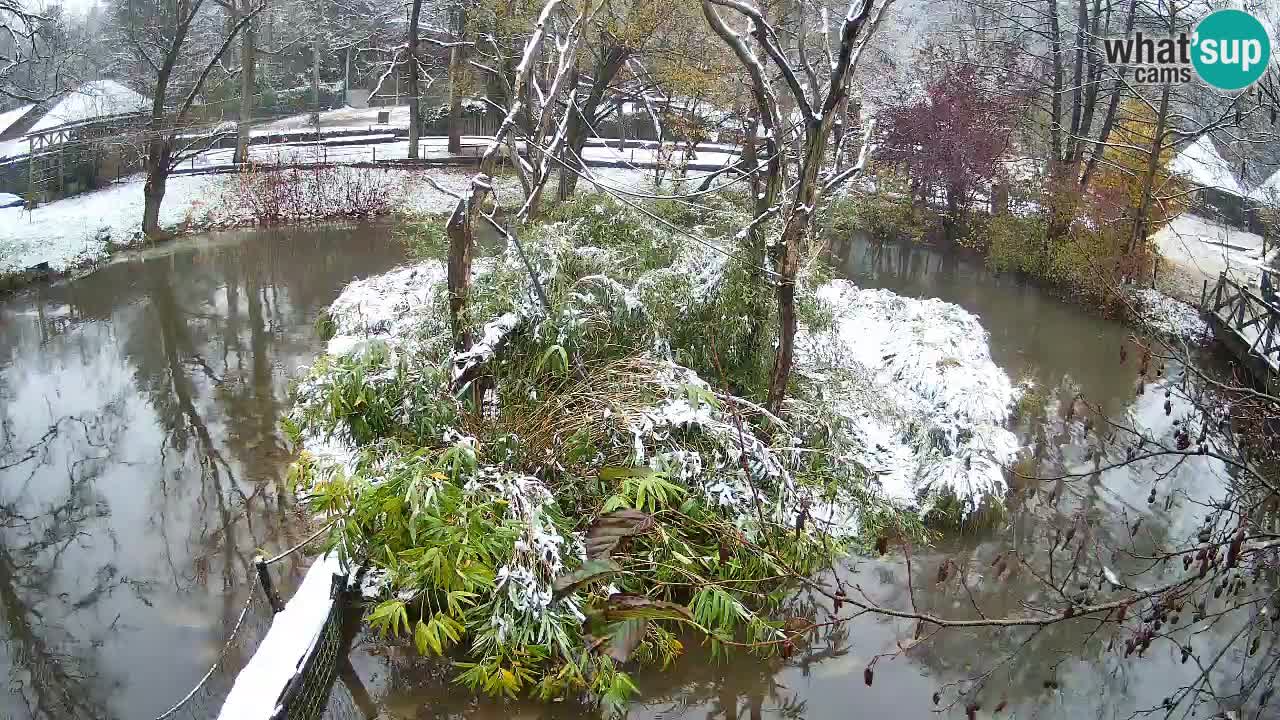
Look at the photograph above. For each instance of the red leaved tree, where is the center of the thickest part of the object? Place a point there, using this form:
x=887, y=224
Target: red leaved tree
x=949, y=140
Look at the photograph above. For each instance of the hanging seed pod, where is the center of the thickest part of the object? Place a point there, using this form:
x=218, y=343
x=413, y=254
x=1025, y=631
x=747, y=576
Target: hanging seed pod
x=868, y=676
x=1173, y=620
x=1134, y=530
x=937, y=697
x=787, y=648
x=971, y=710
x=1233, y=551
x=1157, y=625
x=1129, y=645
x=1186, y=562
x=1168, y=407
x=1253, y=646
x=838, y=602
x=1152, y=497
x=1186, y=653
x=882, y=545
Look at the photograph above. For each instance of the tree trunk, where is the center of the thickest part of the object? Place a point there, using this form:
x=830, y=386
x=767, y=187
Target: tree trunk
x=785, y=355
x=459, y=269
x=157, y=168
x=315, y=84
x=607, y=67
x=1140, y=219
x=457, y=75
x=247, y=51
x=415, y=107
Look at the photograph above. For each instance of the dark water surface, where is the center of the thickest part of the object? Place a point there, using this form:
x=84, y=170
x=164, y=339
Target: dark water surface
x=141, y=466
x=141, y=463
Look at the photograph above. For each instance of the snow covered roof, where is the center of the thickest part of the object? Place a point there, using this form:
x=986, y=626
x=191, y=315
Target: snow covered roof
x=12, y=116
x=89, y=101
x=1201, y=163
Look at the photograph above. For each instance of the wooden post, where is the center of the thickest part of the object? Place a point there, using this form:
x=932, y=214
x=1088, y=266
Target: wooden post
x=264, y=579
x=31, y=171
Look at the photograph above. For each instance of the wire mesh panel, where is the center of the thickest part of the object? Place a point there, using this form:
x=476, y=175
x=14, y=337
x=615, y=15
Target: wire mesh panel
x=307, y=694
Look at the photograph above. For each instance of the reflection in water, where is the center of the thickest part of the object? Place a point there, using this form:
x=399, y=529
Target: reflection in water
x=141, y=465
x=1063, y=671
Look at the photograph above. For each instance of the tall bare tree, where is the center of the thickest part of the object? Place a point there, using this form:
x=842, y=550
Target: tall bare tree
x=160, y=38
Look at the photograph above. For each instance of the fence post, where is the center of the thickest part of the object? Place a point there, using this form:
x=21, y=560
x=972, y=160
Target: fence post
x=264, y=578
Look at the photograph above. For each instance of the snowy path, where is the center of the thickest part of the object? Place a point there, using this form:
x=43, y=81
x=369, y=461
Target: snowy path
x=1202, y=249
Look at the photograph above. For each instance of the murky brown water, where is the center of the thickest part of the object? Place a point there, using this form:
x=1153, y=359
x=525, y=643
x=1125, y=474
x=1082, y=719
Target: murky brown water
x=141, y=463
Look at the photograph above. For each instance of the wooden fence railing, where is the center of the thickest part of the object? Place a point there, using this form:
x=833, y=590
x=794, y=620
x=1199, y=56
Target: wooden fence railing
x=1254, y=319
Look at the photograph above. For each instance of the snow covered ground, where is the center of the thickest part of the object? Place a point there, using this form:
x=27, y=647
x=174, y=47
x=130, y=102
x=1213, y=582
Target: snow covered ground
x=1207, y=248
x=86, y=228
x=1168, y=316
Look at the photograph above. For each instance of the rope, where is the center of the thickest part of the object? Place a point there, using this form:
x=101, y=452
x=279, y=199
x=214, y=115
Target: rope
x=302, y=544
x=244, y=612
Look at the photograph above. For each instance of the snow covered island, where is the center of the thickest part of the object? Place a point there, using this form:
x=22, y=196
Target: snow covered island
x=608, y=469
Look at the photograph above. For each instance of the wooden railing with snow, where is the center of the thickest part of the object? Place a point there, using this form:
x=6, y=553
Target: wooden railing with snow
x=1246, y=323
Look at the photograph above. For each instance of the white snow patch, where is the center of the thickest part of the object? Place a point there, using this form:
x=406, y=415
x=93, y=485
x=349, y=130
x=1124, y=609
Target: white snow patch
x=1210, y=248
x=89, y=101
x=384, y=307
x=293, y=632
x=932, y=417
x=1201, y=163
x=10, y=117
x=1170, y=317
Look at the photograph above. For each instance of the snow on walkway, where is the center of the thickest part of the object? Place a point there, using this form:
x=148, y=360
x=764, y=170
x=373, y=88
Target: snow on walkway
x=1207, y=249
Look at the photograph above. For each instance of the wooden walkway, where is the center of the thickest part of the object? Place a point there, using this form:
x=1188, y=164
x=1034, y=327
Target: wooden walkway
x=1247, y=325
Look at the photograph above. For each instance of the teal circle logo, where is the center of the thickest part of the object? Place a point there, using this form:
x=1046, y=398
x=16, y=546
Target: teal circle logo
x=1231, y=49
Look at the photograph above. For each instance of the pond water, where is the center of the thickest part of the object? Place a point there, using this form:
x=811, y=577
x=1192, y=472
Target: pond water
x=141, y=463
x=141, y=466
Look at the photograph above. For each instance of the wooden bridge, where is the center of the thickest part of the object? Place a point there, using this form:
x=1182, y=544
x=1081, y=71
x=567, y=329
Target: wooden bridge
x=1247, y=324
